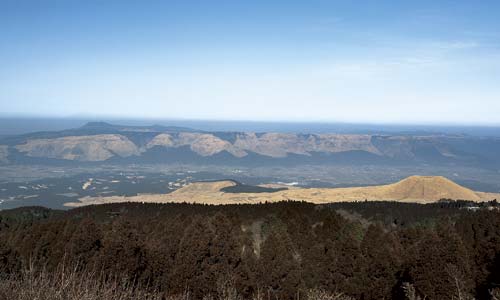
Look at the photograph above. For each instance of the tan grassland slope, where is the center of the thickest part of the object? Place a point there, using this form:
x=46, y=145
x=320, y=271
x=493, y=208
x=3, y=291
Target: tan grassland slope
x=420, y=189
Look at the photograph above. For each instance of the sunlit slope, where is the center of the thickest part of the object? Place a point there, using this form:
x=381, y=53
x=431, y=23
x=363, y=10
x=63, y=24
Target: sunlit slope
x=431, y=188
x=119, y=144
x=421, y=189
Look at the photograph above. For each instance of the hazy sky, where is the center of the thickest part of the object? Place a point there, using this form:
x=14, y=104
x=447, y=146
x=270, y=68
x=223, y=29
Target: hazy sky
x=348, y=61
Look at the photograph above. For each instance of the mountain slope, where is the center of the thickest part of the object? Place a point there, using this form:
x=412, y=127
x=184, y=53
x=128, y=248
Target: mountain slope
x=429, y=187
x=97, y=142
x=83, y=148
x=419, y=189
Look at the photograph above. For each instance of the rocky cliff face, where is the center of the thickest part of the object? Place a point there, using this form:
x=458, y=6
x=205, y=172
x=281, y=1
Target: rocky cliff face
x=82, y=148
x=101, y=143
x=275, y=145
x=282, y=144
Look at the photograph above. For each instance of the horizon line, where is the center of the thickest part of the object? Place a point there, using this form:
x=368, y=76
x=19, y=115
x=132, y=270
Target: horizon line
x=104, y=118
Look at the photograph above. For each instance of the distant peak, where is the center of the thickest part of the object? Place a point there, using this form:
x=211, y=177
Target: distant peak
x=118, y=127
x=97, y=124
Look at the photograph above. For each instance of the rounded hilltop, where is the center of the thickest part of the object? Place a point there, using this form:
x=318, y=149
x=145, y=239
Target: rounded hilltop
x=429, y=188
x=418, y=189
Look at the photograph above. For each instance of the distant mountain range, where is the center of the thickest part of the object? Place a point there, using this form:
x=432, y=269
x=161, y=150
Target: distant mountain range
x=98, y=142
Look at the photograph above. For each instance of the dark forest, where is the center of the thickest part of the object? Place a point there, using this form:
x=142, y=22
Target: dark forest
x=288, y=250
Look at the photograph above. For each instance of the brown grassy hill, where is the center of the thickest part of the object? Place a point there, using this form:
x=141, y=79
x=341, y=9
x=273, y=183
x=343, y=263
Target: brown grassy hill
x=420, y=189
x=429, y=188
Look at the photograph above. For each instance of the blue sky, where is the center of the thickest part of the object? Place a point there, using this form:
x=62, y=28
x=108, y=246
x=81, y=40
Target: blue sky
x=329, y=61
